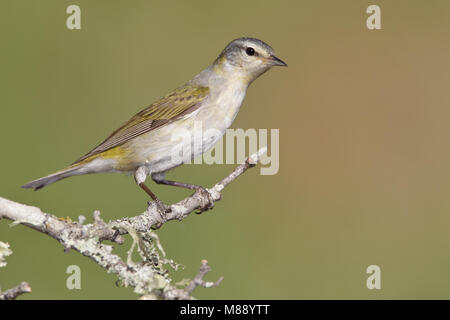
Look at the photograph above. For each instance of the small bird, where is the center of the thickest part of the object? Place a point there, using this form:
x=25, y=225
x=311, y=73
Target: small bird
x=144, y=145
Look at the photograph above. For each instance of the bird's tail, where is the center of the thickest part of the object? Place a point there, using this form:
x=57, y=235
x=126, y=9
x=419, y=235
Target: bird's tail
x=65, y=173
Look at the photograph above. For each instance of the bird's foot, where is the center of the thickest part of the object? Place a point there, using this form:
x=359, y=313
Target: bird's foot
x=209, y=200
x=162, y=209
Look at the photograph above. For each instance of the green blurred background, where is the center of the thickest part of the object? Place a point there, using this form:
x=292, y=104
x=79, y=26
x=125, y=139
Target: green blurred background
x=364, y=142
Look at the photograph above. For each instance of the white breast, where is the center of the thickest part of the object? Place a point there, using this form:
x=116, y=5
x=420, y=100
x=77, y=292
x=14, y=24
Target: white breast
x=219, y=112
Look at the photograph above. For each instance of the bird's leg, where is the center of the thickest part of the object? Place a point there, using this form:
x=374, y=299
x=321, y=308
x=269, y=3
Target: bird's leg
x=140, y=175
x=160, y=179
x=148, y=191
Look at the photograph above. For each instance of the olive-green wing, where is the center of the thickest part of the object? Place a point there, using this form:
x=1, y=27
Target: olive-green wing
x=177, y=104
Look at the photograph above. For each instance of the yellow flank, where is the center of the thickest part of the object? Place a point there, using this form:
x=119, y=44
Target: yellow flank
x=118, y=153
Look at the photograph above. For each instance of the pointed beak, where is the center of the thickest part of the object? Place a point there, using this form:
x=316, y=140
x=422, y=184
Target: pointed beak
x=277, y=61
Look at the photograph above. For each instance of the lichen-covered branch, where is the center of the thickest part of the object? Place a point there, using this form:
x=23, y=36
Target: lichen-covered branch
x=13, y=293
x=148, y=277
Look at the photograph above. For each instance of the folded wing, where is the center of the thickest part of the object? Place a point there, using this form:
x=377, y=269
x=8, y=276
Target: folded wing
x=175, y=105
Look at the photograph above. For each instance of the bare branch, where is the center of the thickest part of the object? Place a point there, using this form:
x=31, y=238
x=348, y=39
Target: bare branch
x=198, y=280
x=186, y=293
x=13, y=293
x=145, y=277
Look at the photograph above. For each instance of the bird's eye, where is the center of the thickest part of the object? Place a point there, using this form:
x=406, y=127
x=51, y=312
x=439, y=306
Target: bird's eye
x=250, y=51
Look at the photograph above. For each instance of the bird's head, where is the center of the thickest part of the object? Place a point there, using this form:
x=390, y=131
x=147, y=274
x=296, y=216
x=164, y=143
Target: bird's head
x=246, y=59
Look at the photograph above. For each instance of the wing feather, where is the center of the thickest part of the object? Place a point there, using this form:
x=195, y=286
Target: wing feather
x=179, y=103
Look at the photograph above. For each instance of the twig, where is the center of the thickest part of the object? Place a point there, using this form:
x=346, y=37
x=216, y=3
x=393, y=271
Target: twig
x=13, y=293
x=198, y=280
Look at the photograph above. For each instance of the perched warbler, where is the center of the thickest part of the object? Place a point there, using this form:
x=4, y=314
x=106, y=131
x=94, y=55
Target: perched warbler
x=144, y=144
